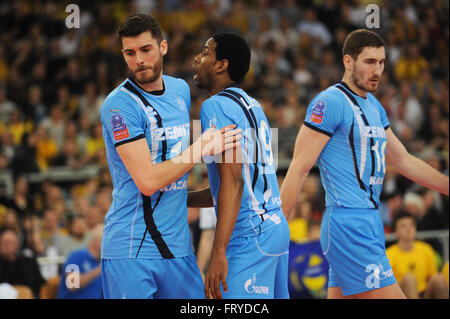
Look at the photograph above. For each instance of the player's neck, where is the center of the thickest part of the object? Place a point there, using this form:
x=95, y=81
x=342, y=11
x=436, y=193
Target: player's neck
x=157, y=85
x=347, y=79
x=220, y=85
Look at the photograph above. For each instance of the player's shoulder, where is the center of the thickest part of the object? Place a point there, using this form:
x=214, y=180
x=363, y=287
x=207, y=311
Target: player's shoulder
x=329, y=100
x=372, y=98
x=231, y=100
x=220, y=104
x=118, y=95
x=330, y=96
x=171, y=81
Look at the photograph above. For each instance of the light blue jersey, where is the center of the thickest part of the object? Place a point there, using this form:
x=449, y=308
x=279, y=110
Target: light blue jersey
x=261, y=196
x=352, y=164
x=258, y=250
x=138, y=226
x=352, y=168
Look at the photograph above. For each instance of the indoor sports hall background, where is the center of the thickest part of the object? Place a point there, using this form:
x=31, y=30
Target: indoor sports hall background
x=54, y=75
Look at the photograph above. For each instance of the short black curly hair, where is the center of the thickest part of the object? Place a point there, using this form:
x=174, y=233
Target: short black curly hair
x=234, y=48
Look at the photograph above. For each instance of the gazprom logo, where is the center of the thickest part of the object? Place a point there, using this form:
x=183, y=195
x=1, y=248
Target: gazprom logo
x=251, y=287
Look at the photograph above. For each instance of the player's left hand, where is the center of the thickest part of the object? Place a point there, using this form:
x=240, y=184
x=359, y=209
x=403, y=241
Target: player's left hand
x=217, y=274
x=214, y=141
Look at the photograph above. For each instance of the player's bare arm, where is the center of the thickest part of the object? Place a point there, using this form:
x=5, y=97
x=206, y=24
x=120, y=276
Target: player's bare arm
x=200, y=198
x=308, y=146
x=229, y=202
x=149, y=177
x=412, y=167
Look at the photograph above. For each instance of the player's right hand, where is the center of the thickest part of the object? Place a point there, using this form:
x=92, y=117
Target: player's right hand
x=216, y=275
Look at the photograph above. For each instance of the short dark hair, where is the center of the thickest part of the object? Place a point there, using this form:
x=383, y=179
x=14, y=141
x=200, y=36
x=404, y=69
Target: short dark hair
x=234, y=48
x=137, y=23
x=400, y=214
x=357, y=40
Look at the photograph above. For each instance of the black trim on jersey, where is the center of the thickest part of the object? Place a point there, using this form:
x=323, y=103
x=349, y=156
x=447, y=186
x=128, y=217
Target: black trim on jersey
x=355, y=162
x=130, y=87
x=156, y=92
x=152, y=229
x=372, y=143
x=140, y=136
x=317, y=129
x=147, y=200
x=252, y=121
x=348, y=88
x=252, y=114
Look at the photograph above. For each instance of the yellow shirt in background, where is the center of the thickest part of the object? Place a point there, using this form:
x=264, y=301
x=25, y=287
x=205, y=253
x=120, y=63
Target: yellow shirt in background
x=444, y=272
x=299, y=229
x=420, y=261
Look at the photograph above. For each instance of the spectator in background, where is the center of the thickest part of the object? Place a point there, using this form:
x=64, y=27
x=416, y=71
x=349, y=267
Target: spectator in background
x=410, y=65
x=298, y=223
x=315, y=28
x=51, y=232
x=390, y=203
x=55, y=124
x=69, y=155
x=6, y=106
x=26, y=158
x=15, y=268
x=78, y=236
x=45, y=148
x=12, y=222
x=94, y=217
x=414, y=263
x=22, y=200
x=421, y=208
x=35, y=110
x=445, y=273
x=90, y=103
x=412, y=114
x=80, y=278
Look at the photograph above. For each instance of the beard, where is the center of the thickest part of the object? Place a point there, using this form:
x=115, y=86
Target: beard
x=360, y=84
x=142, y=76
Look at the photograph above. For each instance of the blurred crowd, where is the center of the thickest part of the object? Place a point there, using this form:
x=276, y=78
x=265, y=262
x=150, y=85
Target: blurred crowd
x=53, y=81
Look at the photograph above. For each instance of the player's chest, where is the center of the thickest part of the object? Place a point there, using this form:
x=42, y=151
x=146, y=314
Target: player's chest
x=168, y=127
x=364, y=123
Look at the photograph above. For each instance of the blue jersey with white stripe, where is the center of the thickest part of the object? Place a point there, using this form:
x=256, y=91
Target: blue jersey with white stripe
x=261, y=204
x=352, y=164
x=137, y=225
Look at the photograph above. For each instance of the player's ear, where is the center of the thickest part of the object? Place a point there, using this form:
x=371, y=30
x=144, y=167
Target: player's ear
x=348, y=62
x=221, y=65
x=163, y=47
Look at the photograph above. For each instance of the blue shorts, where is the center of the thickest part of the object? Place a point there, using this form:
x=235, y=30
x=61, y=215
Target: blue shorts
x=353, y=242
x=141, y=278
x=258, y=265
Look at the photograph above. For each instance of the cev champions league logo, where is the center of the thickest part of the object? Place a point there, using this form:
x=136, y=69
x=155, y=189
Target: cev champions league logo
x=181, y=103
